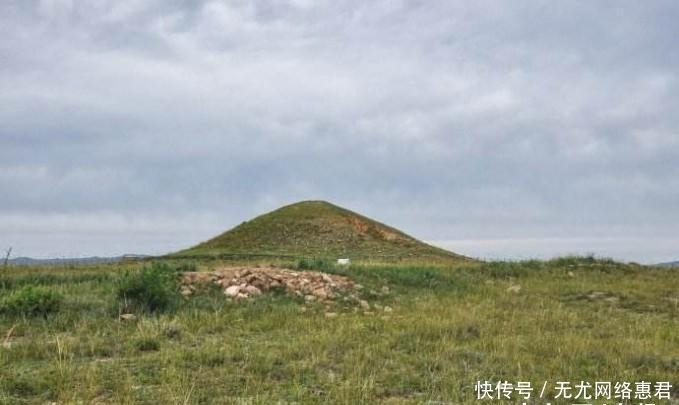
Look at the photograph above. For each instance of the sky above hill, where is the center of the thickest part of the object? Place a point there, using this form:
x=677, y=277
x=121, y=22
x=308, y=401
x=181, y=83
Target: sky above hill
x=496, y=129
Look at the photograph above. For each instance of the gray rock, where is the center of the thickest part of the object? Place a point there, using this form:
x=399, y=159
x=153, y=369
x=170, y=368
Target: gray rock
x=252, y=290
x=232, y=291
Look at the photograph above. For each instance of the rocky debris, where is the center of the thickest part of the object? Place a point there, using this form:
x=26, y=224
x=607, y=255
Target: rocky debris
x=128, y=317
x=246, y=282
x=232, y=291
x=601, y=295
x=185, y=291
x=594, y=296
x=514, y=288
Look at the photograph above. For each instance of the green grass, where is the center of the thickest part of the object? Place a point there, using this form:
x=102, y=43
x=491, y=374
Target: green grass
x=316, y=229
x=451, y=325
x=30, y=301
x=154, y=288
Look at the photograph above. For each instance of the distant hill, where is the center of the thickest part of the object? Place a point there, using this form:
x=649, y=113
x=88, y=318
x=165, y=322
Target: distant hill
x=317, y=229
x=27, y=261
x=669, y=264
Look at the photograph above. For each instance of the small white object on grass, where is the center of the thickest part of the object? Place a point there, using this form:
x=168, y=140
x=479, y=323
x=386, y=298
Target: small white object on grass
x=343, y=262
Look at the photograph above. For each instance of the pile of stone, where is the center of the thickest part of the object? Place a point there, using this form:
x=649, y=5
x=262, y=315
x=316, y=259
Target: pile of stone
x=246, y=282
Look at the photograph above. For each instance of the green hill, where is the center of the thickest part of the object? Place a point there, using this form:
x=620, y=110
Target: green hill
x=317, y=229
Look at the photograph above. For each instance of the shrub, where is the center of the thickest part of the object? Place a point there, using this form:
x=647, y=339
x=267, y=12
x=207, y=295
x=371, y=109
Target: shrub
x=151, y=289
x=410, y=277
x=511, y=269
x=147, y=344
x=186, y=266
x=314, y=264
x=31, y=301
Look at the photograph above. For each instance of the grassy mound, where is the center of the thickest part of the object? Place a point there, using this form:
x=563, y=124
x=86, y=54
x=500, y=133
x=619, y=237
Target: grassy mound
x=317, y=229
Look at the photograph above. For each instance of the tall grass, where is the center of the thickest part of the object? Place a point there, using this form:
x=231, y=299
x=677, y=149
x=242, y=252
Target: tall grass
x=154, y=288
x=30, y=301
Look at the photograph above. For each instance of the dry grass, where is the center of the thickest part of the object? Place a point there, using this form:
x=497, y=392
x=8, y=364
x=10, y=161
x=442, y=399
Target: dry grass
x=450, y=327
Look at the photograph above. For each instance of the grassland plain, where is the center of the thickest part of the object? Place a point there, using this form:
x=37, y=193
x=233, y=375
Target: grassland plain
x=572, y=319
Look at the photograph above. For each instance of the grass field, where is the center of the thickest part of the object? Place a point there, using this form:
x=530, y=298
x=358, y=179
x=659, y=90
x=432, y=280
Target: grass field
x=572, y=319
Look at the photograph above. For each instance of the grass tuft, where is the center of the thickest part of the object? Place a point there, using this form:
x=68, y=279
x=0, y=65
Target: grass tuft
x=152, y=289
x=31, y=301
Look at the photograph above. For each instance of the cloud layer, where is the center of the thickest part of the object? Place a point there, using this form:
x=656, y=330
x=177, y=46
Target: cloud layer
x=146, y=126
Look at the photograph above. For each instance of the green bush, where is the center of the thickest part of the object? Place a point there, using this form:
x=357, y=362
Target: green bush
x=314, y=264
x=31, y=301
x=510, y=269
x=151, y=289
x=186, y=266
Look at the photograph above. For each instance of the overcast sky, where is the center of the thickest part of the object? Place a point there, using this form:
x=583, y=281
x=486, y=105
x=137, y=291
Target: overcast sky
x=496, y=129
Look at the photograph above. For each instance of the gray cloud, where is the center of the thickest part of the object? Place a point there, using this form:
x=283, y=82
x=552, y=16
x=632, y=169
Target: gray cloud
x=453, y=120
